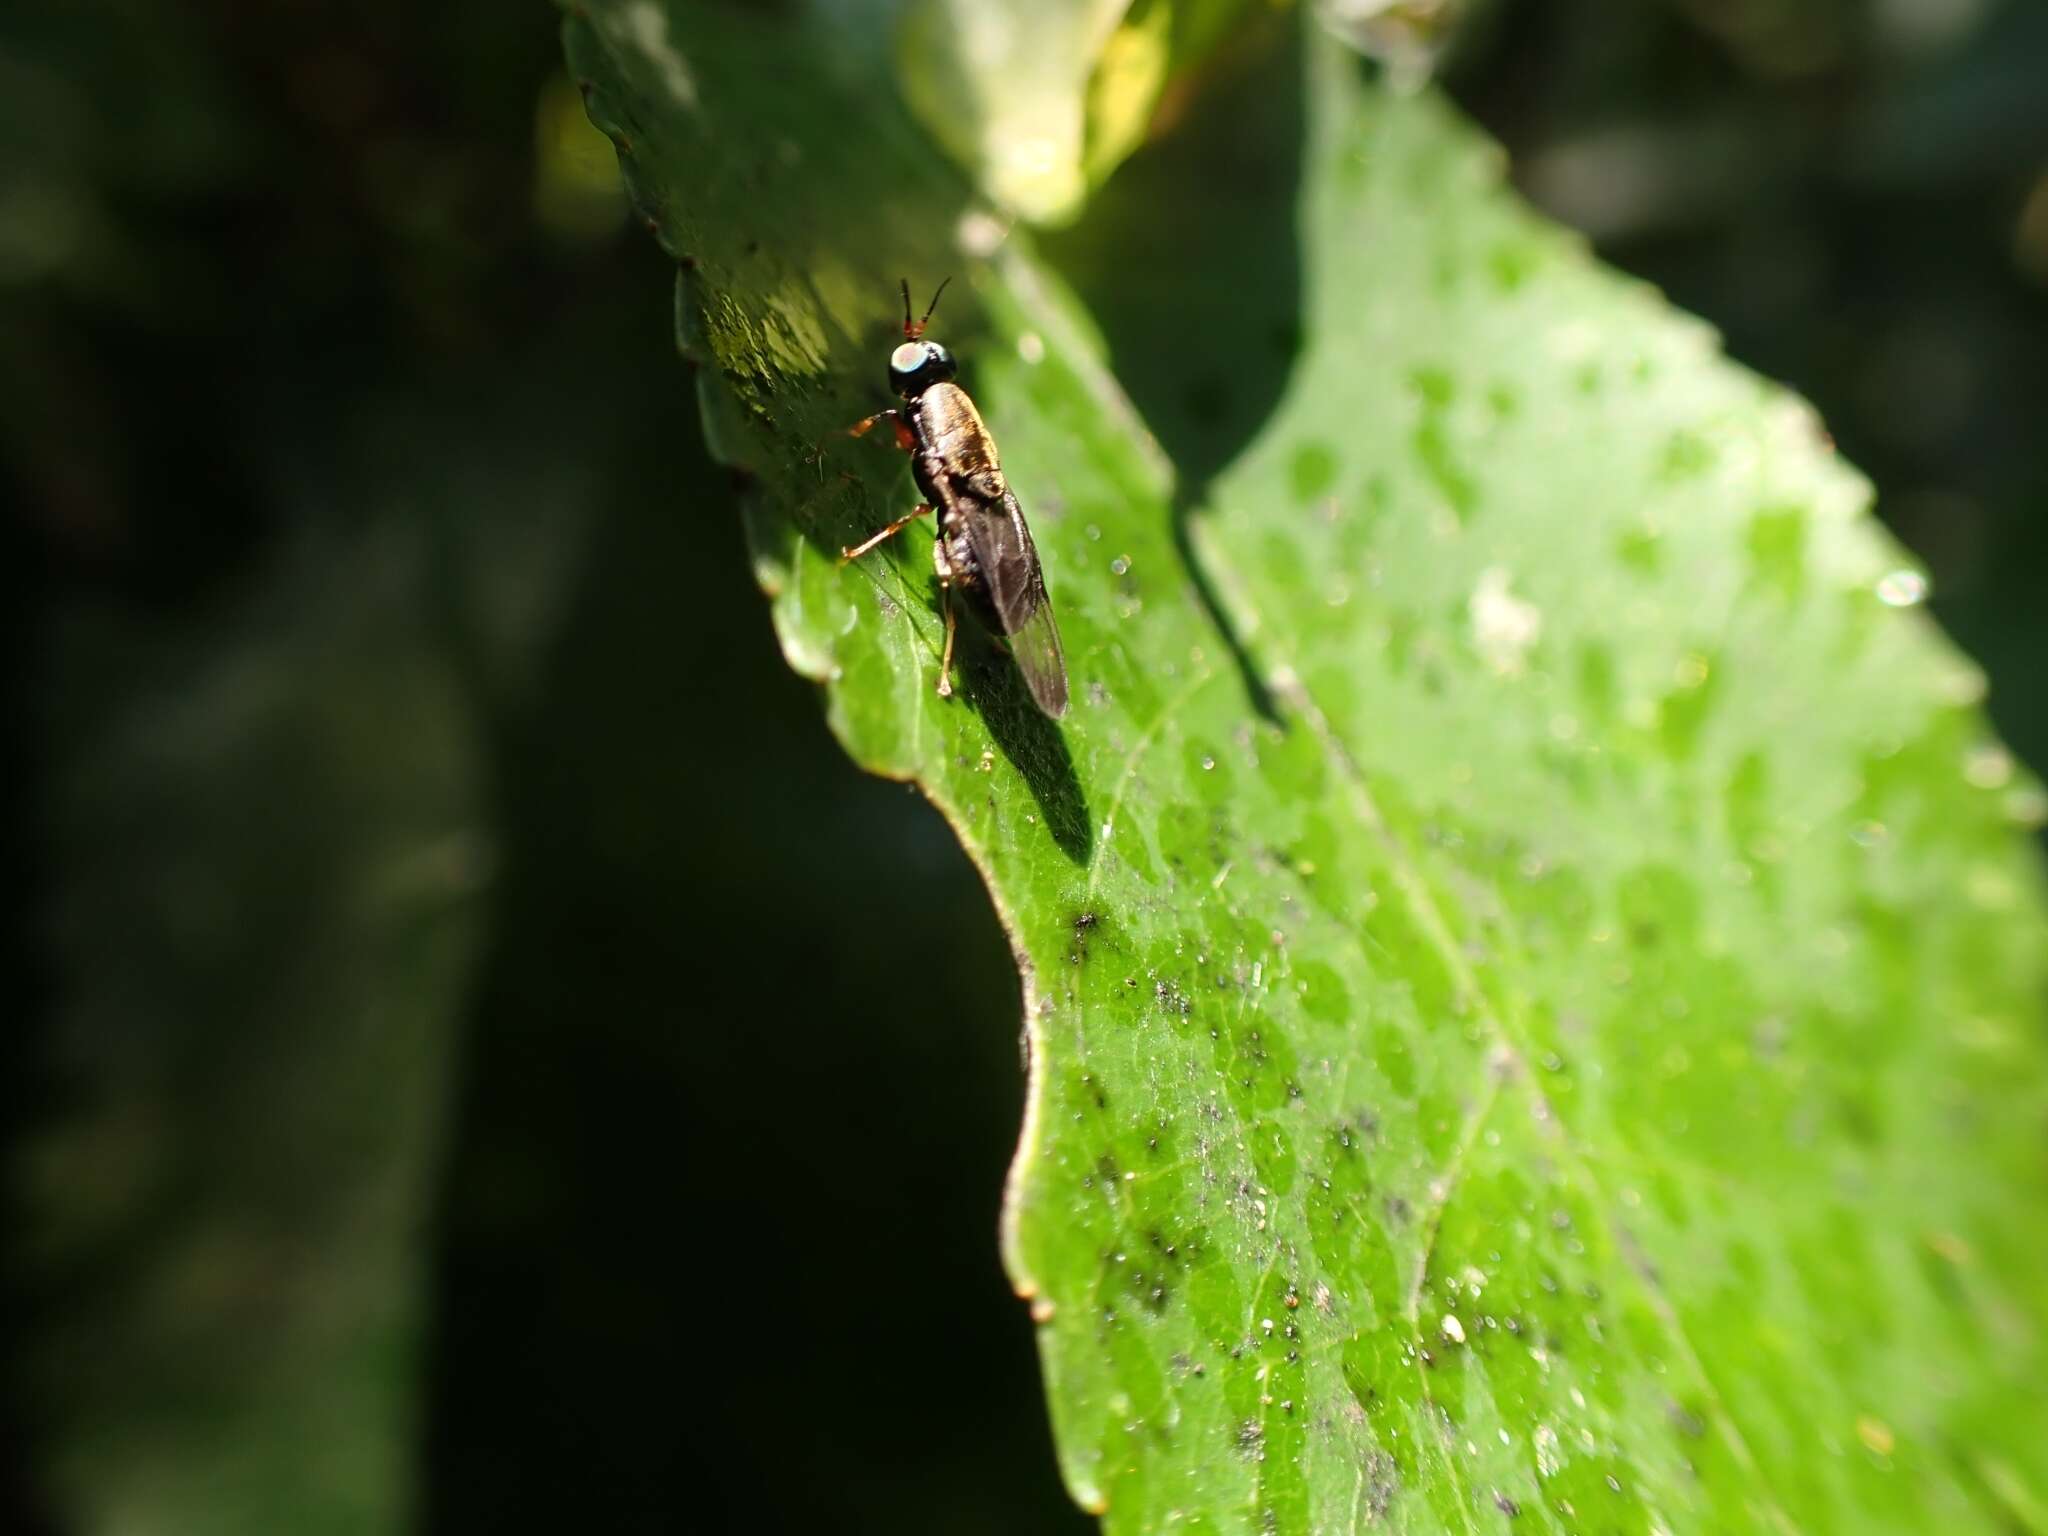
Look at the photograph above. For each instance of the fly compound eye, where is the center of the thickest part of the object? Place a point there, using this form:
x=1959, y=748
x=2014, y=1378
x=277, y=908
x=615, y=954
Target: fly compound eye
x=917, y=365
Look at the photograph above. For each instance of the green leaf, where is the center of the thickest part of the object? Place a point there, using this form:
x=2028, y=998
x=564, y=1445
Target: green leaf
x=273, y=861
x=1532, y=977
x=1042, y=99
x=271, y=815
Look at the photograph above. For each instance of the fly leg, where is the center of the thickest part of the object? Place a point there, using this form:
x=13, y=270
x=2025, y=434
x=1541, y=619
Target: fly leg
x=905, y=438
x=907, y=441
x=890, y=532
x=946, y=661
x=943, y=567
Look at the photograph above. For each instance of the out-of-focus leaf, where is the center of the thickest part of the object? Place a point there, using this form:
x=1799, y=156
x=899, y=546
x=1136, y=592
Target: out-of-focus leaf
x=1408, y=36
x=1575, y=1054
x=1042, y=99
x=272, y=823
x=576, y=193
x=272, y=854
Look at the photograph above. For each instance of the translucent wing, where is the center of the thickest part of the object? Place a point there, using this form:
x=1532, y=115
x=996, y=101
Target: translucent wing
x=1015, y=585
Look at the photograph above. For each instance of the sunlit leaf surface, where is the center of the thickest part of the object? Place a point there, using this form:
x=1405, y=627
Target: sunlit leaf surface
x=1532, y=965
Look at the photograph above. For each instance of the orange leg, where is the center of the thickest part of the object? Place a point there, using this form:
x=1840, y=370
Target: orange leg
x=904, y=437
x=889, y=532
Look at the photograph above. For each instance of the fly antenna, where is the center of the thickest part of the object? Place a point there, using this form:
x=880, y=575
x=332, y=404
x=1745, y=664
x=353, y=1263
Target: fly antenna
x=913, y=330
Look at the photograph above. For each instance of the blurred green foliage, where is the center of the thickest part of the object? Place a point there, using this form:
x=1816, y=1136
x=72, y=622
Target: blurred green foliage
x=393, y=956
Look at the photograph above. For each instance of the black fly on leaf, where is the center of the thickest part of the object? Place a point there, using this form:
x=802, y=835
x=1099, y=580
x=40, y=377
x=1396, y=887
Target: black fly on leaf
x=983, y=547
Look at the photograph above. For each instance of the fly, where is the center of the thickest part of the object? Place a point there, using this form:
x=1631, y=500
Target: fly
x=983, y=547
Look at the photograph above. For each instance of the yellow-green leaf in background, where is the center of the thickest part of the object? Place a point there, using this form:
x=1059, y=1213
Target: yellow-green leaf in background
x=1041, y=99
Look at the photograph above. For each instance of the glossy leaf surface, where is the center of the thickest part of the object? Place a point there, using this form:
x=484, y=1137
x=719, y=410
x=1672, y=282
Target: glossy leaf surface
x=1531, y=962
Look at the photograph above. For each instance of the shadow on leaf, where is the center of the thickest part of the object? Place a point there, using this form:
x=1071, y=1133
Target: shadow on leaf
x=989, y=681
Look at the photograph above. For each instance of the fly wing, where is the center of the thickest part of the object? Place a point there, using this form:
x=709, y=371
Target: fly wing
x=1015, y=585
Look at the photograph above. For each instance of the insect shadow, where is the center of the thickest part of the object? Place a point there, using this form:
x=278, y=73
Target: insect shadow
x=991, y=684
x=1204, y=223
x=986, y=679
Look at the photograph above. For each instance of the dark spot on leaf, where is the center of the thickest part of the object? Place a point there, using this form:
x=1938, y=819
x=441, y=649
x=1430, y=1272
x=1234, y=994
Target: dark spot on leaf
x=1683, y=712
x=1313, y=471
x=1640, y=550
x=1432, y=443
x=1687, y=454
x=1382, y=1482
x=1776, y=544
x=1084, y=926
x=1510, y=265
x=1433, y=387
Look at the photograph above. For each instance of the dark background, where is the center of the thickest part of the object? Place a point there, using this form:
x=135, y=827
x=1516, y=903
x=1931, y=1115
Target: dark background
x=364, y=543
